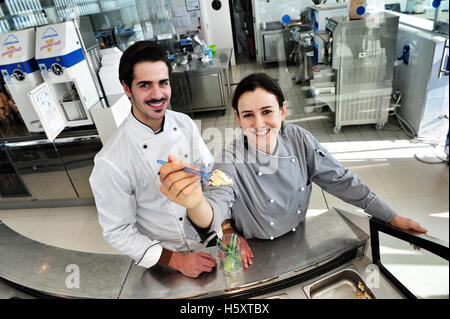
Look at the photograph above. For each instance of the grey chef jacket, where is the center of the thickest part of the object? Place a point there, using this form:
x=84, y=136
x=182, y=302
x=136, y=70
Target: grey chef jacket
x=270, y=193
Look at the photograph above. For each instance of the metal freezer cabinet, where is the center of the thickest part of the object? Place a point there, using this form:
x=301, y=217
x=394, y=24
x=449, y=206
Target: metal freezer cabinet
x=363, y=56
x=274, y=45
x=423, y=87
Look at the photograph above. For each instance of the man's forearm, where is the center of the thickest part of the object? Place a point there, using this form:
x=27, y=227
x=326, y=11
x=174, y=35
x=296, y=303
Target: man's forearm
x=201, y=215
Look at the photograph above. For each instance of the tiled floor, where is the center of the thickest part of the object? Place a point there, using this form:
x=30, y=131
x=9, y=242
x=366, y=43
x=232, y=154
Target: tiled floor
x=383, y=159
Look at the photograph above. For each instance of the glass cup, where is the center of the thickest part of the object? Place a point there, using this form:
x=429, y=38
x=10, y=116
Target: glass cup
x=230, y=256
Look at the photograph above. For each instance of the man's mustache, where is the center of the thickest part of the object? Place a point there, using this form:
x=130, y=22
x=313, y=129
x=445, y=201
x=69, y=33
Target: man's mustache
x=156, y=101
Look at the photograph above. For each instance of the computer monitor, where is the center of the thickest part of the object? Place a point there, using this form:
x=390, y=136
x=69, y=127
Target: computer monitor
x=393, y=7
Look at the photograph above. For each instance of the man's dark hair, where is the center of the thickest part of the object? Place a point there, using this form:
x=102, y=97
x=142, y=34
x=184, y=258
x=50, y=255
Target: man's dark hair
x=142, y=51
x=254, y=81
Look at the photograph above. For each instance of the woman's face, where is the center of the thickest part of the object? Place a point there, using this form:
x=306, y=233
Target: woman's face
x=260, y=118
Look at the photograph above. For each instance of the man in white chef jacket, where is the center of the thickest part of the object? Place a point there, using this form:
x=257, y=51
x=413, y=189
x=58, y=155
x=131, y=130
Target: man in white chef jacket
x=137, y=219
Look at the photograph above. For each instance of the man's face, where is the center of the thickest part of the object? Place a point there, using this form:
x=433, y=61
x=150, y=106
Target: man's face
x=150, y=92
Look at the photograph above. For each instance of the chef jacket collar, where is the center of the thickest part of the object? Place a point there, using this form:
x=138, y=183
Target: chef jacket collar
x=154, y=132
x=281, y=150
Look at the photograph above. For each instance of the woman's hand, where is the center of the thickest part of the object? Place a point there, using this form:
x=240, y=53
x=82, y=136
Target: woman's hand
x=407, y=224
x=246, y=252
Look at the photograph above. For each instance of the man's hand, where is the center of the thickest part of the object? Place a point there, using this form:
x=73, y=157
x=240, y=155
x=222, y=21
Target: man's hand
x=407, y=224
x=193, y=264
x=180, y=187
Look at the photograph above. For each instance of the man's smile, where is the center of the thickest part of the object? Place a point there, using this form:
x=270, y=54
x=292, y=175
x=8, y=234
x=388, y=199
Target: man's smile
x=156, y=105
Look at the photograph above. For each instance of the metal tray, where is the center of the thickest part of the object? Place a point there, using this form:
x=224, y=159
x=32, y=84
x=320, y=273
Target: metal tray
x=341, y=285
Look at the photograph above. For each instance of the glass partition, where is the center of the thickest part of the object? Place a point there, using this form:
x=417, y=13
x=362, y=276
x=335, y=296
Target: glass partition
x=423, y=273
x=292, y=42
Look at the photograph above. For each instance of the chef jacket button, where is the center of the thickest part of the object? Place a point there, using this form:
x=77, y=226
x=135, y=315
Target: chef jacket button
x=298, y=212
x=293, y=160
x=259, y=173
x=271, y=223
x=293, y=229
x=271, y=237
x=180, y=219
x=145, y=146
x=185, y=156
x=302, y=189
x=174, y=128
x=272, y=201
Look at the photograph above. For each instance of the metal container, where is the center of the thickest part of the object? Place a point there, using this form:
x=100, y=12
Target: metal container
x=306, y=55
x=345, y=284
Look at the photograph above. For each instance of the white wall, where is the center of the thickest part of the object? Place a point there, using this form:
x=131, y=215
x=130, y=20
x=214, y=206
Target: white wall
x=216, y=26
x=184, y=20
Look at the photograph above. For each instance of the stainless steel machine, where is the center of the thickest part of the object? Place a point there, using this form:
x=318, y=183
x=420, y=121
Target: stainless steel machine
x=362, y=55
x=20, y=71
x=65, y=69
x=423, y=81
x=319, y=15
x=274, y=37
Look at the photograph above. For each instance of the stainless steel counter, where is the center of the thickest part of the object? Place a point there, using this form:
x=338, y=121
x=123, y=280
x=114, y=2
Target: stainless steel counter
x=53, y=270
x=319, y=238
x=47, y=269
x=220, y=62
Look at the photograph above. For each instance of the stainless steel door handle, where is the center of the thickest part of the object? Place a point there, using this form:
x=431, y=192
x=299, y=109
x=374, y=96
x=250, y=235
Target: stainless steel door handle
x=77, y=139
x=26, y=143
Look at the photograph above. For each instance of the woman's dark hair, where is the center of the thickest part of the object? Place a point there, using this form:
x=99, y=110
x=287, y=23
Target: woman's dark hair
x=255, y=81
x=142, y=51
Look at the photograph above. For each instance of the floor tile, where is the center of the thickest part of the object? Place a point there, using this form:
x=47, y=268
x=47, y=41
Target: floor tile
x=442, y=170
x=365, y=172
x=406, y=178
x=24, y=225
x=72, y=211
x=59, y=230
x=432, y=212
x=333, y=201
x=91, y=239
x=317, y=195
x=32, y=212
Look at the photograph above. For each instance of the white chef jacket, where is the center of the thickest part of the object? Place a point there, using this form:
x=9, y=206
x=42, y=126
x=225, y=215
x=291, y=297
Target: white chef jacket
x=137, y=219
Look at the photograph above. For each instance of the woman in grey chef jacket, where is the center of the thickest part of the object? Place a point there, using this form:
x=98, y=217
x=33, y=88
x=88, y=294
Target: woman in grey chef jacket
x=272, y=167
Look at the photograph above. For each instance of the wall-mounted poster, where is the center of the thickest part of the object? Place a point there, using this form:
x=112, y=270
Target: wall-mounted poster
x=192, y=5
